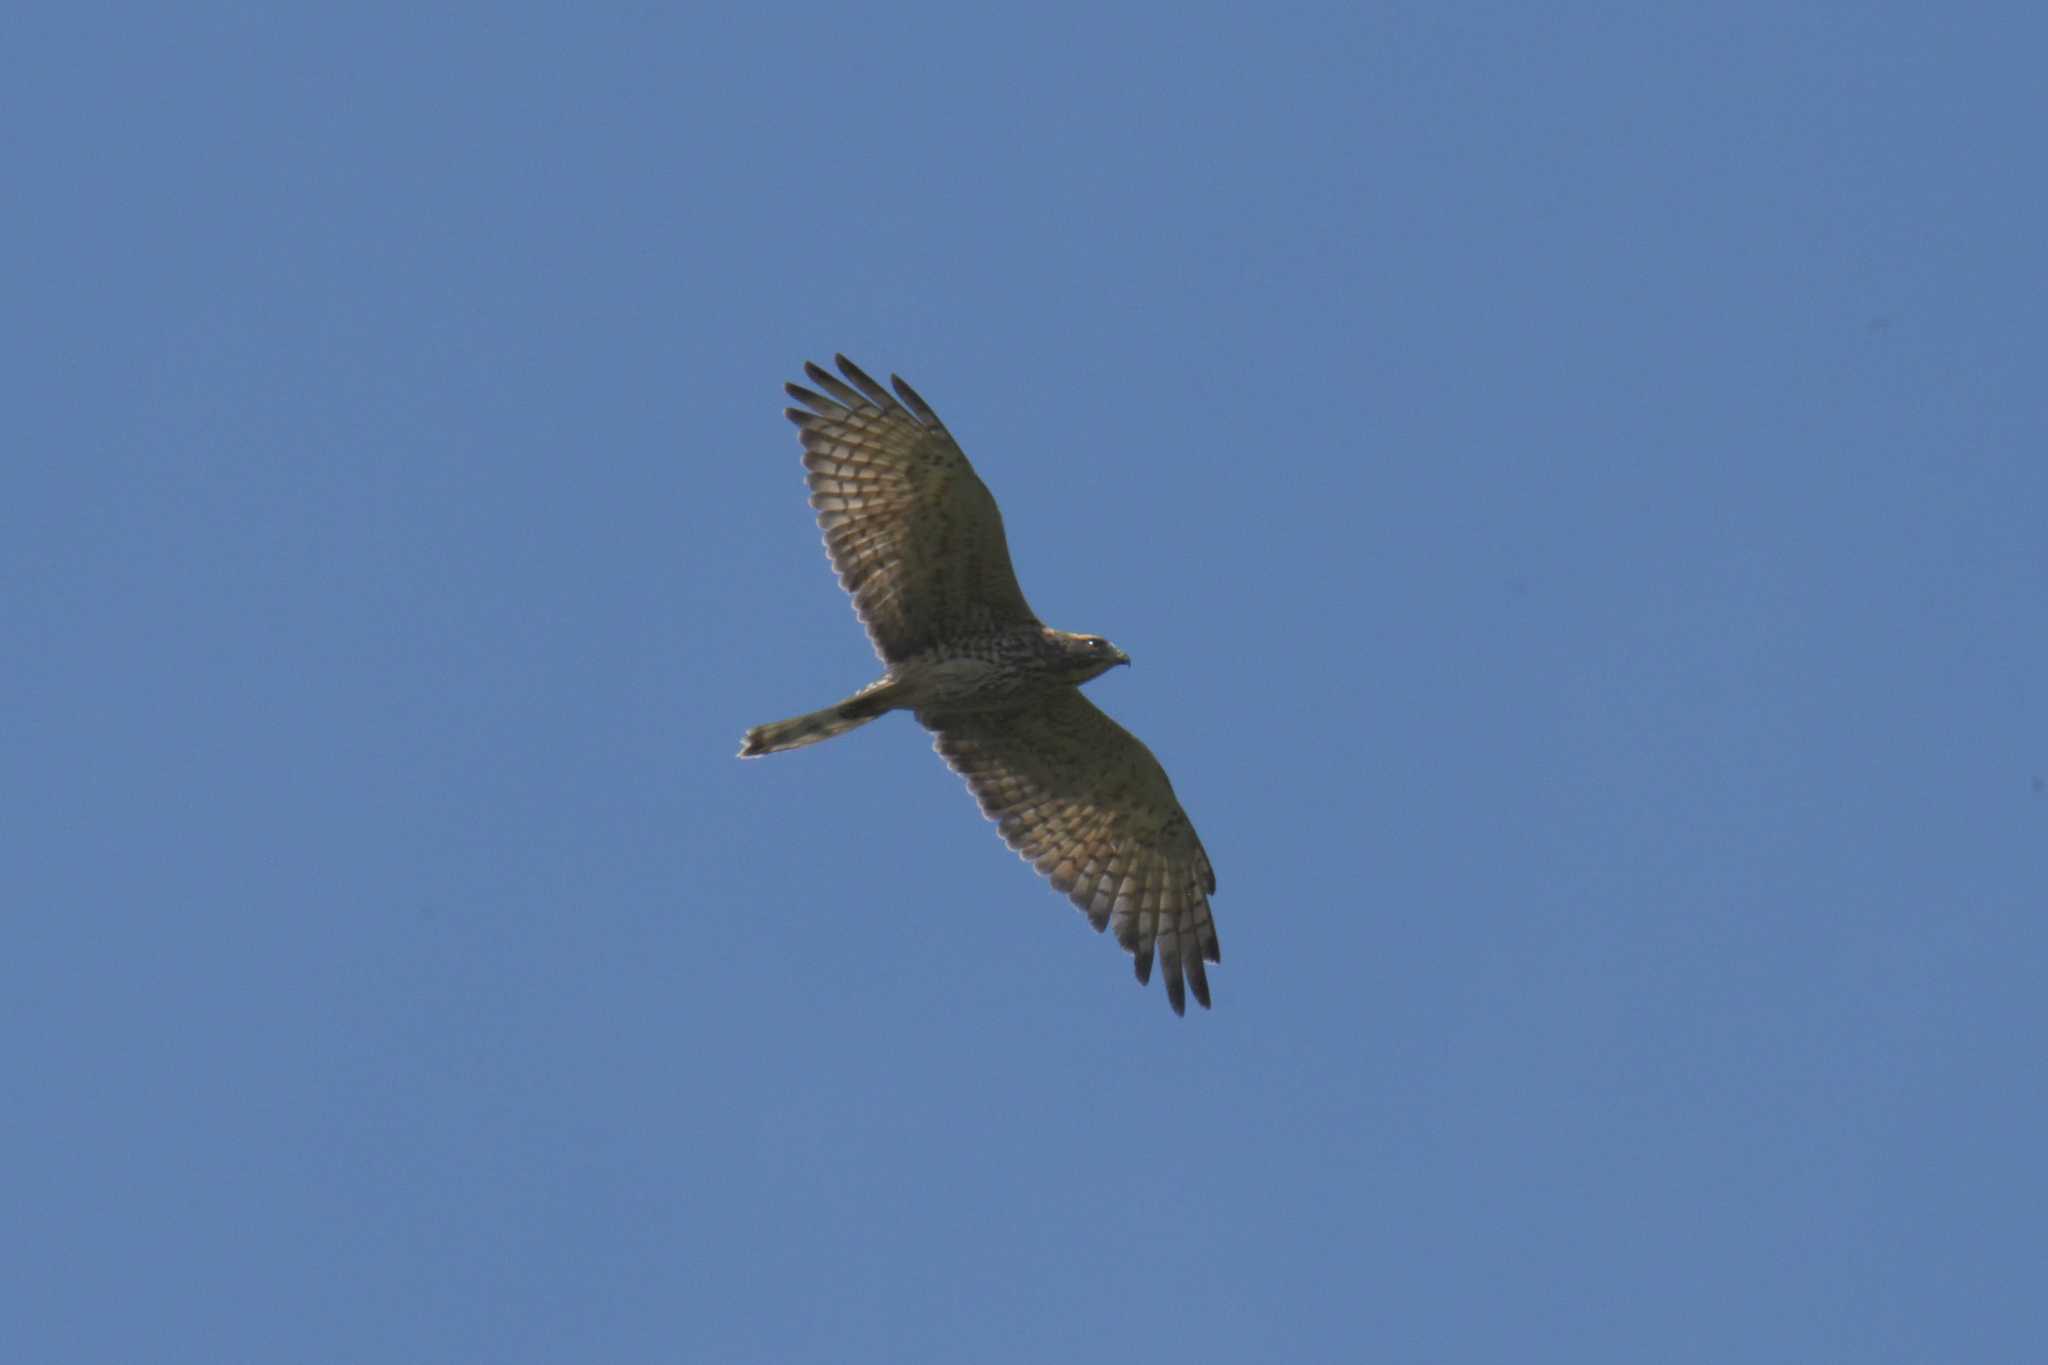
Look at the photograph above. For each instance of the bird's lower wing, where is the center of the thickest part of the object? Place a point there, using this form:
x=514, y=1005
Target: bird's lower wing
x=1083, y=801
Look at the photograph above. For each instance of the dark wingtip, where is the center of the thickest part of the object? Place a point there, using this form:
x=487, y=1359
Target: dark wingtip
x=913, y=400
x=818, y=403
x=1177, y=995
x=862, y=380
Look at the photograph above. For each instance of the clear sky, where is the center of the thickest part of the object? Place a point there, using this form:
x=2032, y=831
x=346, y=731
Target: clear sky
x=1573, y=480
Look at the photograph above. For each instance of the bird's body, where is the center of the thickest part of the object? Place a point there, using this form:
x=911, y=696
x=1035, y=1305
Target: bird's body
x=999, y=671
x=918, y=541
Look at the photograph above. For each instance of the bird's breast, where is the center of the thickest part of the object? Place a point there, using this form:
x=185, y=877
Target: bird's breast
x=969, y=679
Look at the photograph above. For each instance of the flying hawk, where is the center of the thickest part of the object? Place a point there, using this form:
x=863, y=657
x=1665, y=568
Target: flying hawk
x=918, y=542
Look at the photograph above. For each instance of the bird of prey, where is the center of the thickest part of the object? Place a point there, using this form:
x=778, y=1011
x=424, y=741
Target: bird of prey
x=918, y=542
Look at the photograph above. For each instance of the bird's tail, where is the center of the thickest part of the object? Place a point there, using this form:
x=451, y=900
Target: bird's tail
x=797, y=731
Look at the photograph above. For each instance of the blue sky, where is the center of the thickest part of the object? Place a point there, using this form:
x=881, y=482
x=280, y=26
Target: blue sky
x=1573, y=480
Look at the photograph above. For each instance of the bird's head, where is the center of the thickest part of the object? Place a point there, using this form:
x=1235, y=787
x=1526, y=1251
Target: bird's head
x=1089, y=656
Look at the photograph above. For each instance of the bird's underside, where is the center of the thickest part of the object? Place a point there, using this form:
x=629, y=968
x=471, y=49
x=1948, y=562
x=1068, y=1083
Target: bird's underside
x=918, y=543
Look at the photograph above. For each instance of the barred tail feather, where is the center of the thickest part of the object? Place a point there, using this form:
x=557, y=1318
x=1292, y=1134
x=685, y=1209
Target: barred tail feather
x=798, y=731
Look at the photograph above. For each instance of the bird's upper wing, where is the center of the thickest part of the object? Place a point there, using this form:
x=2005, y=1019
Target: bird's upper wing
x=1085, y=803
x=912, y=531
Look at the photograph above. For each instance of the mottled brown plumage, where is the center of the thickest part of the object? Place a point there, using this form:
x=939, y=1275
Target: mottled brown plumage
x=918, y=542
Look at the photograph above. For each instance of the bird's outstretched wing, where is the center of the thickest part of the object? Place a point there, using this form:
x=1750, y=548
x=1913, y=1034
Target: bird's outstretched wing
x=1083, y=801
x=912, y=531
